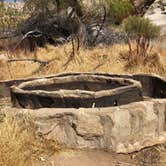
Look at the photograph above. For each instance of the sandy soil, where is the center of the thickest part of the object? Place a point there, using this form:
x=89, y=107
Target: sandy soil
x=88, y=158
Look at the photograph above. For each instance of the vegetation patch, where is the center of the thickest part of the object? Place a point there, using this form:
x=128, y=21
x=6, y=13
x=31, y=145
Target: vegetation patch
x=19, y=143
x=119, y=10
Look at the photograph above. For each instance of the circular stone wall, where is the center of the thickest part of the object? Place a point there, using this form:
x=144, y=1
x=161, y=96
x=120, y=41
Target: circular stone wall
x=75, y=91
x=123, y=129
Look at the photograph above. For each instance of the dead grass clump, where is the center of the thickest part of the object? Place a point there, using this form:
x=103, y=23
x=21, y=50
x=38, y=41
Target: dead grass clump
x=112, y=59
x=19, y=144
x=152, y=63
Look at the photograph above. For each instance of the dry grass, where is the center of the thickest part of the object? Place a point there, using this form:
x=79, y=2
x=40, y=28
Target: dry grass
x=99, y=59
x=19, y=144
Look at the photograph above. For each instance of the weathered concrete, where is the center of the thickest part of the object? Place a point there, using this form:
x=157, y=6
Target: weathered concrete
x=122, y=129
x=148, y=81
x=75, y=91
x=152, y=86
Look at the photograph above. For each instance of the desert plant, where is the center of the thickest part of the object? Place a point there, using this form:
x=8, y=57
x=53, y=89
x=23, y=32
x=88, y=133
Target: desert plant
x=142, y=31
x=119, y=9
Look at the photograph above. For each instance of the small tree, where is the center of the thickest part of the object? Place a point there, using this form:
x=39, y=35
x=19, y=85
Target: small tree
x=142, y=31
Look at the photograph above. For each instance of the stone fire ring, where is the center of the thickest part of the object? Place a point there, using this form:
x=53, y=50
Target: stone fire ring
x=75, y=91
x=122, y=129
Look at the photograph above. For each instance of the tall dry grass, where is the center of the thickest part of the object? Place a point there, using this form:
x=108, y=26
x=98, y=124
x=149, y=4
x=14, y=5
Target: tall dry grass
x=98, y=59
x=19, y=144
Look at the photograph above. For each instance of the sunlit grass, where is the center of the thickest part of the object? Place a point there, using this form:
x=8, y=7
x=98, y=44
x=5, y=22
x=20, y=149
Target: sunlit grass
x=19, y=143
x=98, y=59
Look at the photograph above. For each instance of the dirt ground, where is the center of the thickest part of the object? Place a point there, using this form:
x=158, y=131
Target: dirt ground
x=88, y=158
x=152, y=156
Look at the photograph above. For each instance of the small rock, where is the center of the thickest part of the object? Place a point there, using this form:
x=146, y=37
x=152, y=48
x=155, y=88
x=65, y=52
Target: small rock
x=42, y=159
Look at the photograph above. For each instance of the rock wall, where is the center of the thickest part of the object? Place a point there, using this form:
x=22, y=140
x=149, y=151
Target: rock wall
x=122, y=129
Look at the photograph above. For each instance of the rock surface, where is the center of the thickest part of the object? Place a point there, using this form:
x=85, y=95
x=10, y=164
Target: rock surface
x=122, y=129
x=157, y=14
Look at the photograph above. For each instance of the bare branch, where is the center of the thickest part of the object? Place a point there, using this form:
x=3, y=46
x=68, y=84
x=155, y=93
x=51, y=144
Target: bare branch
x=101, y=26
x=72, y=55
x=78, y=42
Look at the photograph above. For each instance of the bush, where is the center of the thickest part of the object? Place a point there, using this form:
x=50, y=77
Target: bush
x=140, y=27
x=119, y=9
x=142, y=31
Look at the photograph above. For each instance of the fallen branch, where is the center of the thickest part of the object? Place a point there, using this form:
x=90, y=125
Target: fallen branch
x=31, y=60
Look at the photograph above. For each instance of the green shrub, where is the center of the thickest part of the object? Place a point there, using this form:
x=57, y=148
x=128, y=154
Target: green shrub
x=140, y=27
x=142, y=31
x=119, y=9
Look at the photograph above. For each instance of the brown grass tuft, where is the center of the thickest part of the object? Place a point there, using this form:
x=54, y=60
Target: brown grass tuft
x=19, y=144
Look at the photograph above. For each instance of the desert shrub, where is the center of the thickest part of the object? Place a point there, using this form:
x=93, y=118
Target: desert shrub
x=142, y=31
x=140, y=27
x=119, y=9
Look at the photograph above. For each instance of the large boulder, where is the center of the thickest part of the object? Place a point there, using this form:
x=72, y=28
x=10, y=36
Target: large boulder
x=157, y=14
